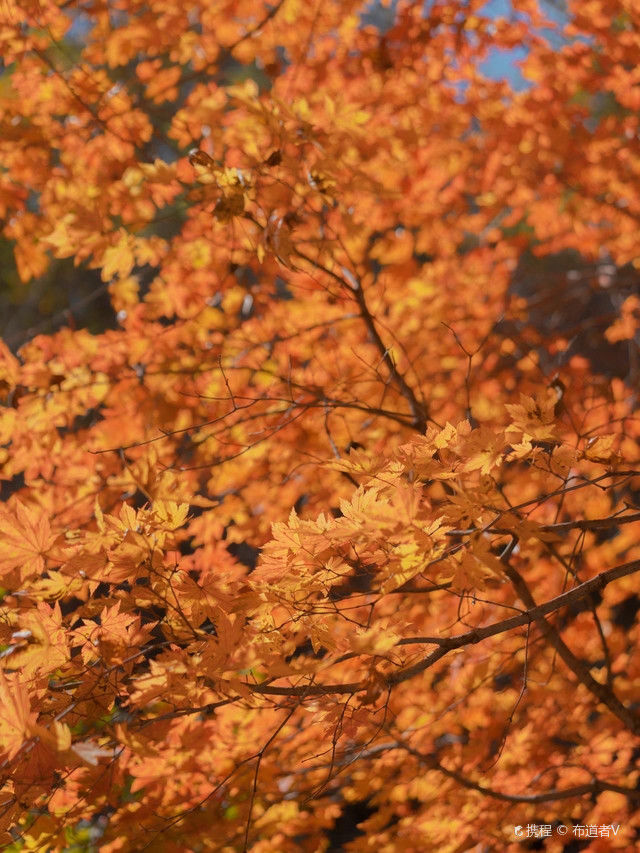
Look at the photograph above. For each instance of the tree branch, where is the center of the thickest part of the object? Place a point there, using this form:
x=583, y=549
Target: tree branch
x=533, y=613
x=579, y=669
x=353, y=285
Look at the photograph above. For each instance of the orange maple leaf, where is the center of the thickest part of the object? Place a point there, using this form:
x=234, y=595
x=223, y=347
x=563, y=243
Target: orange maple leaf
x=25, y=538
x=16, y=718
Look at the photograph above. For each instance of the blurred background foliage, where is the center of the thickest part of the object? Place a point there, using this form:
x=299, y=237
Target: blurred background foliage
x=565, y=293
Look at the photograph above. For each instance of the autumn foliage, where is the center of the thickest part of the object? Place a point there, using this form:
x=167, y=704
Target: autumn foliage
x=328, y=538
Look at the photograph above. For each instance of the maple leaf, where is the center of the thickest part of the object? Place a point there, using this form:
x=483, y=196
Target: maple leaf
x=57, y=737
x=16, y=717
x=483, y=450
x=46, y=649
x=118, y=260
x=535, y=416
x=331, y=338
x=600, y=449
x=25, y=538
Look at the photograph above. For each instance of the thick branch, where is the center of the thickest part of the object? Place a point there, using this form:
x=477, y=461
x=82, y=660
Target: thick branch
x=592, y=788
x=579, y=669
x=446, y=644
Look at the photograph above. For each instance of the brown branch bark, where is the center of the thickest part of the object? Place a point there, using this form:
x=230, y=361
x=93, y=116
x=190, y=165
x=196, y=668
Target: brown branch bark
x=589, y=788
x=533, y=613
x=578, y=667
x=353, y=285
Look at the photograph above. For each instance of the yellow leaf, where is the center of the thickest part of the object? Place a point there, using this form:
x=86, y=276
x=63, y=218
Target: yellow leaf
x=119, y=259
